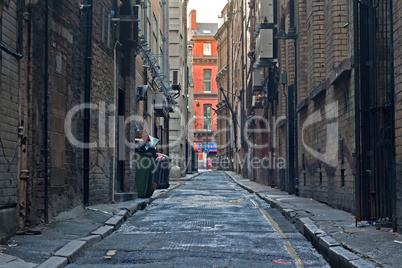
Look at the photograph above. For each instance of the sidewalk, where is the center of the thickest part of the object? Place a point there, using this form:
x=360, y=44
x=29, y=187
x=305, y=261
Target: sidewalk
x=68, y=235
x=332, y=231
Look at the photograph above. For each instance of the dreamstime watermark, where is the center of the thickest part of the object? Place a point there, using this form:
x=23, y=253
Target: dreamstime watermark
x=110, y=130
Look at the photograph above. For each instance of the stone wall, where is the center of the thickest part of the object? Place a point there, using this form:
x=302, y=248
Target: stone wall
x=102, y=92
x=65, y=90
x=11, y=94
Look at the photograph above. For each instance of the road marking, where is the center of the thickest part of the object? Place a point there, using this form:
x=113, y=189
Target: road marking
x=292, y=252
x=170, y=197
x=273, y=223
x=289, y=248
x=269, y=219
x=224, y=175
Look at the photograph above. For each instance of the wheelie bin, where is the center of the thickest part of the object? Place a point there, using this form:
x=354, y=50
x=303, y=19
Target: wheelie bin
x=145, y=165
x=161, y=174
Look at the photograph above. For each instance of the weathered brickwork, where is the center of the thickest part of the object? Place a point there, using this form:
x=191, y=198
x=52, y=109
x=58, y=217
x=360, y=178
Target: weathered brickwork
x=101, y=158
x=331, y=184
x=223, y=36
x=65, y=90
x=397, y=5
x=315, y=42
x=24, y=111
x=302, y=49
x=336, y=35
x=317, y=25
x=11, y=90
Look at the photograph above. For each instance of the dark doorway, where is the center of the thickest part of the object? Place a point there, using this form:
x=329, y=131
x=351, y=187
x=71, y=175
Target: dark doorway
x=376, y=187
x=120, y=143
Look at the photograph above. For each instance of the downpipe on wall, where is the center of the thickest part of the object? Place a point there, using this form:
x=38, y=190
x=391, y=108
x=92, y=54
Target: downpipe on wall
x=87, y=96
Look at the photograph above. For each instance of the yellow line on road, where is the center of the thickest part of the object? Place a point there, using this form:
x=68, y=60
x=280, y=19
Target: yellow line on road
x=292, y=252
x=224, y=175
x=255, y=203
x=273, y=223
x=269, y=219
x=170, y=197
x=289, y=248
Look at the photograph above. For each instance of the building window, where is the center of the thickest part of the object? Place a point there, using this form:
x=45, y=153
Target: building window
x=207, y=116
x=149, y=30
x=155, y=35
x=175, y=77
x=141, y=20
x=207, y=80
x=207, y=49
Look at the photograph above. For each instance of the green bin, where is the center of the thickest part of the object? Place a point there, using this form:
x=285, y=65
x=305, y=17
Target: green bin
x=145, y=165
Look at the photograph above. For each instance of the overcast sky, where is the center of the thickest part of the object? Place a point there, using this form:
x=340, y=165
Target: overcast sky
x=207, y=10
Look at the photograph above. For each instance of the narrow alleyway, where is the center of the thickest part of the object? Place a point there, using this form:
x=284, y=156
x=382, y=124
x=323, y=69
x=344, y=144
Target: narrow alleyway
x=208, y=222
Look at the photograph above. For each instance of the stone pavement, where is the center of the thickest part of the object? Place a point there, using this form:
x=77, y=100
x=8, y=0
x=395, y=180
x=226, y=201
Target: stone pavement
x=333, y=232
x=68, y=235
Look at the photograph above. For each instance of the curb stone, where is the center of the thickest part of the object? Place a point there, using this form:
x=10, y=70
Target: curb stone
x=333, y=252
x=54, y=262
x=91, y=239
x=72, y=250
x=103, y=231
x=115, y=221
x=300, y=222
x=18, y=263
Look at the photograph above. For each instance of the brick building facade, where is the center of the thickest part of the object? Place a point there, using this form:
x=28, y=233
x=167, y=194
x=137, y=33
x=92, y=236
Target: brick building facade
x=13, y=114
x=345, y=146
x=46, y=62
x=204, y=70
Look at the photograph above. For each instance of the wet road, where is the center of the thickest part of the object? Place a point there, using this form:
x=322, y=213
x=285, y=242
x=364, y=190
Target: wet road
x=208, y=222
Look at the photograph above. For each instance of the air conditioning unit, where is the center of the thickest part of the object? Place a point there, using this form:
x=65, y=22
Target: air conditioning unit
x=141, y=92
x=257, y=101
x=265, y=44
x=258, y=79
x=161, y=104
x=265, y=11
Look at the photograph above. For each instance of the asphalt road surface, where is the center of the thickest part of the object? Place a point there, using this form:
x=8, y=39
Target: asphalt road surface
x=208, y=222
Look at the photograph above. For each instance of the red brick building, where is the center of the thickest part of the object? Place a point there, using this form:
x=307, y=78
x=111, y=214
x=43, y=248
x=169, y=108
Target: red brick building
x=205, y=68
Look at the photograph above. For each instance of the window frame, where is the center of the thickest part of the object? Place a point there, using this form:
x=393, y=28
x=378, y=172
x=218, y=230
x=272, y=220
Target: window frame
x=207, y=82
x=207, y=117
x=207, y=49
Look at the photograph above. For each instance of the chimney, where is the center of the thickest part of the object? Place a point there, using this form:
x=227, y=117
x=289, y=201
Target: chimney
x=193, y=19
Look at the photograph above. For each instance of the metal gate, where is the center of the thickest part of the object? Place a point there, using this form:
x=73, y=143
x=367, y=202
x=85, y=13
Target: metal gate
x=376, y=188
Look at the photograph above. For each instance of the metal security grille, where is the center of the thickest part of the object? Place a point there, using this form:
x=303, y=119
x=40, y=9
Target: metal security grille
x=376, y=95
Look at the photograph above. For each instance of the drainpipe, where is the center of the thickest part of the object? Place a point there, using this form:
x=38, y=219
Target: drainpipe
x=292, y=29
x=166, y=38
x=22, y=174
x=228, y=80
x=357, y=111
x=186, y=74
x=145, y=7
x=114, y=116
x=243, y=87
x=87, y=97
x=45, y=119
